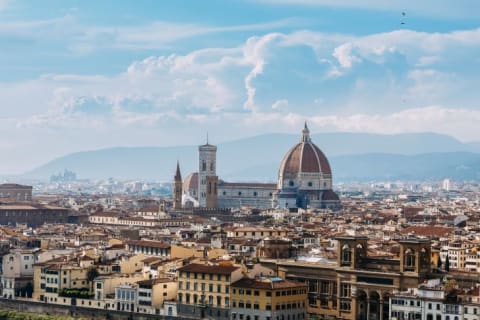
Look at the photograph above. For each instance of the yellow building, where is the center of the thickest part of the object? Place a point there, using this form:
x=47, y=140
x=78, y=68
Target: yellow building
x=356, y=285
x=268, y=298
x=204, y=289
x=153, y=293
x=51, y=279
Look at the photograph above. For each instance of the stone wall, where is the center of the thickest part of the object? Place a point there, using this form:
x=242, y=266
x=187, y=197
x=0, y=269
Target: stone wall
x=86, y=313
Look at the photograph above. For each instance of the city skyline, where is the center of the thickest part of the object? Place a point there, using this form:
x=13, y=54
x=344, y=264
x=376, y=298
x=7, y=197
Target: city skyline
x=77, y=77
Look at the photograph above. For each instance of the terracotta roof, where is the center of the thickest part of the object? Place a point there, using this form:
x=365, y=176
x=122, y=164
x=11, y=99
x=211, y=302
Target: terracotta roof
x=148, y=243
x=267, y=283
x=191, y=182
x=330, y=195
x=14, y=185
x=305, y=157
x=205, y=268
x=249, y=185
x=430, y=231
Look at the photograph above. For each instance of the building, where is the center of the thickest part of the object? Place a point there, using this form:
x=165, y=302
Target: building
x=207, y=177
x=204, y=290
x=149, y=247
x=126, y=297
x=153, y=293
x=304, y=180
x=177, y=189
x=268, y=298
x=426, y=302
x=356, y=284
x=17, y=273
x=305, y=177
x=11, y=192
x=33, y=215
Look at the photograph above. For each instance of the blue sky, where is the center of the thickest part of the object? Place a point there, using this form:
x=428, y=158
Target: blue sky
x=81, y=75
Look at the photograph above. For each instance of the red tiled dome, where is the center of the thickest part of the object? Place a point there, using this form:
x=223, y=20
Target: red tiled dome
x=191, y=182
x=305, y=157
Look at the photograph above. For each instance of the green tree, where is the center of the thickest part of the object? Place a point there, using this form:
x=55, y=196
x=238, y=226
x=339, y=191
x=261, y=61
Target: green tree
x=92, y=273
x=439, y=262
x=447, y=264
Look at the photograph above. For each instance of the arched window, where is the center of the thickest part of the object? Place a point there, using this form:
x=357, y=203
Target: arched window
x=204, y=165
x=346, y=255
x=409, y=259
x=310, y=183
x=291, y=183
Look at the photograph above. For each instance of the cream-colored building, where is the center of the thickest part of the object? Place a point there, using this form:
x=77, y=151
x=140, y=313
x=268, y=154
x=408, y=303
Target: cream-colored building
x=17, y=273
x=153, y=293
x=204, y=289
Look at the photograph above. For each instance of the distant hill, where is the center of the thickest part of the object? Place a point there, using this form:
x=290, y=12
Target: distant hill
x=352, y=155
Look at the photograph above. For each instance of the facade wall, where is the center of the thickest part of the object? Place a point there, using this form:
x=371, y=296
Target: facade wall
x=15, y=192
x=33, y=217
x=207, y=166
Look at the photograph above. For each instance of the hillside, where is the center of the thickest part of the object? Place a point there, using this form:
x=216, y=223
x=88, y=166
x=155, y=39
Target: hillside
x=352, y=156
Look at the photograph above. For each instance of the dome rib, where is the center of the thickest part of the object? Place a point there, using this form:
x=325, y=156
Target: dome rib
x=304, y=157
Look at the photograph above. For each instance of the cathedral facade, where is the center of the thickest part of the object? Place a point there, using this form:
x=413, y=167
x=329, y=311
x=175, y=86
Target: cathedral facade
x=304, y=181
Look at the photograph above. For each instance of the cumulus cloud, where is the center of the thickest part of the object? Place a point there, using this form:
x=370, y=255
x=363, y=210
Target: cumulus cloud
x=391, y=67
x=401, y=81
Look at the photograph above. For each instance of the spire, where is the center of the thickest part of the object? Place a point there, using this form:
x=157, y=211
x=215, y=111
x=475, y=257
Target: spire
x=207, y=137
x=305, y=133
x=178, y=175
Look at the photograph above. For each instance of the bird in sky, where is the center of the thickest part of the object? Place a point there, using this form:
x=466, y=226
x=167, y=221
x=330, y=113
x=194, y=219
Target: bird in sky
x=403, y=14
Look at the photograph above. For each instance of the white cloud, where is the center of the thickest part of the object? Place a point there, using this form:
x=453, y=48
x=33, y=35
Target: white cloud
x=69, y=32
x=344, y=55
x=280, y=104
x=402, y=81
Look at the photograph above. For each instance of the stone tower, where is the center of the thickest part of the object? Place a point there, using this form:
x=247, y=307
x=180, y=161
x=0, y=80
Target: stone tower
x=207, y=177
x=177, y=189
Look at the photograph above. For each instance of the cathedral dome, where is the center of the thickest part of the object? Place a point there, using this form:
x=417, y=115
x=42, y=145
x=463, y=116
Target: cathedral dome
x=304, y=157
x=191, y=182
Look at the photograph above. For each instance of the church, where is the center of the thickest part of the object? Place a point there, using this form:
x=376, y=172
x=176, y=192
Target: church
x=304, y=181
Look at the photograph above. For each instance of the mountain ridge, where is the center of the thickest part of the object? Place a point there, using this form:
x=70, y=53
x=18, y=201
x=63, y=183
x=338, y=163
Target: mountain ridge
x=235, y=159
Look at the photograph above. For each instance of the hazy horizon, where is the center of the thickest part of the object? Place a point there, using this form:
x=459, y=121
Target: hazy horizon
x=77, y=77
